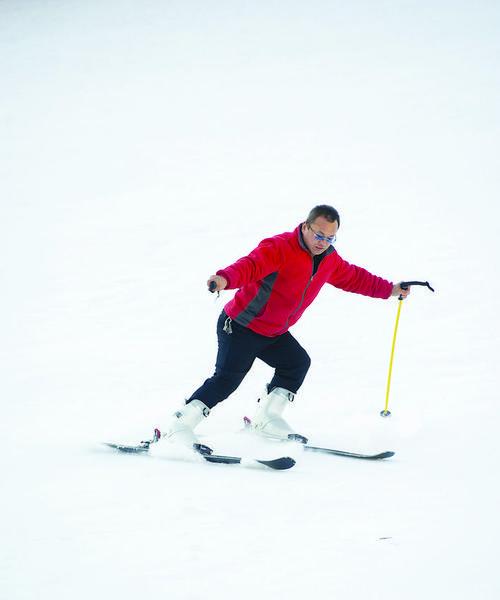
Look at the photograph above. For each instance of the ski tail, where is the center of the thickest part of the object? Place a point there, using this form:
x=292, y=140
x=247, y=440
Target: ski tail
x=139, y=449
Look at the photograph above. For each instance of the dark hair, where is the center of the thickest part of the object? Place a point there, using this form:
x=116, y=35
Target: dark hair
x=323, y=210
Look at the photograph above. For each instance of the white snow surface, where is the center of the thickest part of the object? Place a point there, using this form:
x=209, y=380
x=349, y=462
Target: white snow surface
x=143, y=146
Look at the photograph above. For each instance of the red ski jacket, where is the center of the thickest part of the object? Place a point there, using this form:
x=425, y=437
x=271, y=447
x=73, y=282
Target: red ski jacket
x=280, y=278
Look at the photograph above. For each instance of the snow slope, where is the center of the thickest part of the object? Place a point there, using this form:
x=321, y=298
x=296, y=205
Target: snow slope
x=145, y=145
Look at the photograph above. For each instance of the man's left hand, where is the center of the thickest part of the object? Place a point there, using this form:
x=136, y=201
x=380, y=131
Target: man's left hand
x=397, y=290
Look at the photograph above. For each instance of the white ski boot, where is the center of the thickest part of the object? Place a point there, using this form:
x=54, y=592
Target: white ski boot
x=181, y=428
x=268, y=420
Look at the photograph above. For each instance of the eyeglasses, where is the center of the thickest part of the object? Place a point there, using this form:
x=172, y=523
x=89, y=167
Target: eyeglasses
x=330, y=239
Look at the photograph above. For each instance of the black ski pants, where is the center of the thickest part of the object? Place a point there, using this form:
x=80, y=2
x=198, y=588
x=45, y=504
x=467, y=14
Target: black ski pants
x=238, y=348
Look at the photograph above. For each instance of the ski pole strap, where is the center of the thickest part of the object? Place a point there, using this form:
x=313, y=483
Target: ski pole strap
x=406, y=284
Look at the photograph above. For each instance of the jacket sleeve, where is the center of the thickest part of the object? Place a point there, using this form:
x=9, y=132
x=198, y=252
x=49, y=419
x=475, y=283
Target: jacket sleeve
x=351, y=278
x=263, y=260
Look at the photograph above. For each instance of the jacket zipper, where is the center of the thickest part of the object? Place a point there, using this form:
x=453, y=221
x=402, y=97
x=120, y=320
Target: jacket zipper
x=301, y=300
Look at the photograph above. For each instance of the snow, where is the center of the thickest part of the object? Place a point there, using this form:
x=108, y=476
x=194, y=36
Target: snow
x=144, y=146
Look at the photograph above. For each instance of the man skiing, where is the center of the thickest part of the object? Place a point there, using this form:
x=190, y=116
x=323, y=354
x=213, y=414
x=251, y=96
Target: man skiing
x=276, y=282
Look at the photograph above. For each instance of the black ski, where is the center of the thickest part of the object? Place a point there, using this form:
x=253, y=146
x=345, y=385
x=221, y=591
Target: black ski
x=139, y=448
x=124, y=448
x=295, y=437
x=279, y=464
x=379, y=456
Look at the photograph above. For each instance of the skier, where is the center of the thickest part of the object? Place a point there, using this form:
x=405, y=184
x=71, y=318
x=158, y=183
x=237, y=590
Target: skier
x=277, y=281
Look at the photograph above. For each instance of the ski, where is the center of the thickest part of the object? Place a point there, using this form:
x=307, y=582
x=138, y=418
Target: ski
x=379, y=456
x=124, y=448
x=278, y=464
x=143, y=447
x=303, y=441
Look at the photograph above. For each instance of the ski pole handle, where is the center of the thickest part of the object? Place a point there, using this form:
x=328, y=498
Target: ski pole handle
x=406, y=284
x=212, y=287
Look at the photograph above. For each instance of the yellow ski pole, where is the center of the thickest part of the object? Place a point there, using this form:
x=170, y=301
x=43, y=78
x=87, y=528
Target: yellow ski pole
x=386, y=412
x=405, y=285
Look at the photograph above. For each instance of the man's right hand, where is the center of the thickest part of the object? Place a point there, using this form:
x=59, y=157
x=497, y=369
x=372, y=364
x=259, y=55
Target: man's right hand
x=220, y=283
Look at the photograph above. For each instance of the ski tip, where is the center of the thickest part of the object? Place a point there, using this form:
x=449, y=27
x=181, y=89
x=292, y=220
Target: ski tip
x=280, y=464
x=387, y=454
x=380, y=456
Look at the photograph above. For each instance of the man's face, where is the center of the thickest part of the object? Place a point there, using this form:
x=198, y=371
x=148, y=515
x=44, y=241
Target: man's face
x=321, y=227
